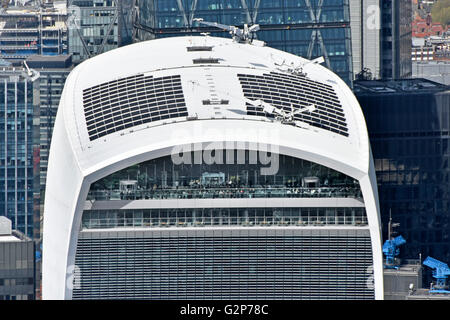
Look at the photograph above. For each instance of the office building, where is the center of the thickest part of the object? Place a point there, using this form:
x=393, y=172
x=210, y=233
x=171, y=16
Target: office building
x=97, y=26
x=201, y=168
x=396, y=19
x=47, y=92
x=365, y=24
x=17, y=271
x=408, y=122
x=32, y=30
x=16, y=145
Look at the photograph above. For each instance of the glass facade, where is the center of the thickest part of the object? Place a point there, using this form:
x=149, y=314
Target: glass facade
x=16, y=151
x=409, y=133
x=396, y=39
x=220, y=217
x=308, y=28
x=229, y=174
x=96, y=30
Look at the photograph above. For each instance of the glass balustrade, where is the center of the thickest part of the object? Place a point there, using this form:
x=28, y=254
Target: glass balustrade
x=221, y=217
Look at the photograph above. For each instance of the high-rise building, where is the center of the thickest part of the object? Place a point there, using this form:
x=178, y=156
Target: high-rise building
x=306, y=28
x=30, y=30
x=47, y=90
x=396, y=18
x=97, y=26
x=17, y=264
x=16, y=147
x=409, y=124
x=365, y=24
x=203, y=168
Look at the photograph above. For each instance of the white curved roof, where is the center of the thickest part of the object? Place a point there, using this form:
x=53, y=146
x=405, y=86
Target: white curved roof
x=134, y=80
x=219, y=83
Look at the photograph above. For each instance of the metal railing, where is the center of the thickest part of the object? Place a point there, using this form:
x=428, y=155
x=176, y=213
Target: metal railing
x=219, y=193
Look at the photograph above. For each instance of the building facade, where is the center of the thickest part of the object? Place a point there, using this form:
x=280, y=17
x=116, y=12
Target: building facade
x=306, y=28
x=16, y=121
x=17, y=264
x=97, y=26
x=47, y=92
x=408, y=122
x=32, y=30
x=365, y=23
x=396, y=18
x=167, y=196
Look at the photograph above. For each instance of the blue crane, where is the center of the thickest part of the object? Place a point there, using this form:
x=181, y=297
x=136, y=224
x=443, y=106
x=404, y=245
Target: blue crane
x=440, y=272
x=391, y=250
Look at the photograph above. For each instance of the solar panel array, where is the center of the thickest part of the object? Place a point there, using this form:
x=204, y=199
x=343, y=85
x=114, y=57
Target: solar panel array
x=286, y=91
x=116, y=105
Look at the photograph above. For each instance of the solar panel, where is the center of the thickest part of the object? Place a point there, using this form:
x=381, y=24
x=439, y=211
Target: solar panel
x=284, y=91
x=116, y=105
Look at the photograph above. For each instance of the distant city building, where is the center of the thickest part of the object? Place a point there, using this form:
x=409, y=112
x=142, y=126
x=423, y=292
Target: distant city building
x=306, y=28
x=408, y=124
x=365, y=22
x=431, y=49
x=396, y=34
x=16, y=147
x=47, y=90
x=97, y=26
x=17, y=264
x=437, y=71
x=32, y=30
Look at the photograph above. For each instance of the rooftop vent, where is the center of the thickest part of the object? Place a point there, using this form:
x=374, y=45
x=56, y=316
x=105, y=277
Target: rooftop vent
x=205, y=60
x=199, y=48
x=214, y=102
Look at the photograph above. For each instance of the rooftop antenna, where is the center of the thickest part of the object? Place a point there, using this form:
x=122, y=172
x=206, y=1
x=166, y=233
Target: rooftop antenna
x=280, y=114
x=32, y=74
x=391, y=245
x=239, y=35
x=298, y=69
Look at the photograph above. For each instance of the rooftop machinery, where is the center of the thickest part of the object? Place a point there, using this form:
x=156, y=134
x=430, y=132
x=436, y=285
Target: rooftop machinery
x=440, y=272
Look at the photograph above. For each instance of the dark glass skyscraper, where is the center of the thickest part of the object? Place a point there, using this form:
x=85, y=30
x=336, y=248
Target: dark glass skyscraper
x=409, y=123
x=308, y=28
x=396, y=39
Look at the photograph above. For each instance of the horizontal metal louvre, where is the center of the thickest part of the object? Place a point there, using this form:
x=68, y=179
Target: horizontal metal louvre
x=130, y=265
x=128, y=102
x=285, y=92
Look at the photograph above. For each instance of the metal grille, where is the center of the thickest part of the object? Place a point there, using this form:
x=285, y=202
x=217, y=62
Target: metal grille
x=225, y=264
x=128, y=102
x=287, y=91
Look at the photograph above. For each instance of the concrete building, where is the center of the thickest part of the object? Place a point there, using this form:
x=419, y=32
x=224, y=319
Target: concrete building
x=17, y=267
x=123, y=192
x=437, y=71
x=33, y=30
